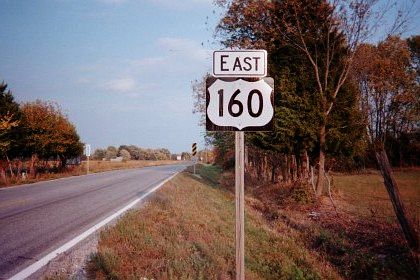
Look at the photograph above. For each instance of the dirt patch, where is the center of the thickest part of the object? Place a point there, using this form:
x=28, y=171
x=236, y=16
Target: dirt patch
x=70, y=264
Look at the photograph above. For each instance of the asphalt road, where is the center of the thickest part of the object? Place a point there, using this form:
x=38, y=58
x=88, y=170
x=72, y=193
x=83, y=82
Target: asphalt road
x=35, y=219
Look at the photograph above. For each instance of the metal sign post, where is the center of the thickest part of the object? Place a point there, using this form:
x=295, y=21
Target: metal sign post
x=239, y=97
x=239, y=205
x=87, y=153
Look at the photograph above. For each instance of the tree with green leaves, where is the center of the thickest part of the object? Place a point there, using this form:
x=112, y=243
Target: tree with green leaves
x=324, y=33
x=10, y=130
x=10, y=119
x=309, y=60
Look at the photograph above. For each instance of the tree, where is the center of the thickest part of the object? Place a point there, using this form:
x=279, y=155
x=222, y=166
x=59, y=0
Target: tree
x=309, y=59
x=390, y=99
x=49, y=133
x=414, y=47
x=111, y=152
x=125, y=154
x=10, y=120
x=99, y=154
x=325, y=33
x=134, y=152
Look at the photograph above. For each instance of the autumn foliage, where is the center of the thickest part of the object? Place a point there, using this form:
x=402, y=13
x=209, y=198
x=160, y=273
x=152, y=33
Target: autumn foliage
x=35, y=136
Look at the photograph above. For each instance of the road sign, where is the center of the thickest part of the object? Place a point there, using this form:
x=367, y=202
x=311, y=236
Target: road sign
x=239, y=104
x=241, y=63
x=235, y=103
x=87, y=150
x=194, y=149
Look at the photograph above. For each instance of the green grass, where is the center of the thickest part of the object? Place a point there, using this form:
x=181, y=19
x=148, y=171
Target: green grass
x=187, y=232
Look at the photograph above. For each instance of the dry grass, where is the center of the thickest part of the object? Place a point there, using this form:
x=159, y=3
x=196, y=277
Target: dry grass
x=95, y=166
x=101, y=166
x=187, y=232
x=365, y=195
x=363, y=240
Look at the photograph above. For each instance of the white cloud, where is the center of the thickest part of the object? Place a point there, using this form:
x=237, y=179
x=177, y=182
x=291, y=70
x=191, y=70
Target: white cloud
x=123, y=85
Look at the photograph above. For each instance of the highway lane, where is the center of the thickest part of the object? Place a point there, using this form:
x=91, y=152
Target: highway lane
x=37, y=218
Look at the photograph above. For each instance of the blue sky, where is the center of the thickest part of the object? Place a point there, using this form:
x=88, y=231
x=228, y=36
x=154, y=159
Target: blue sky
x=121, y=70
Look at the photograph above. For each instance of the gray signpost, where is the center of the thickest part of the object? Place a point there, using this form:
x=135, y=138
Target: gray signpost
x=87, y=153
x=239, y=98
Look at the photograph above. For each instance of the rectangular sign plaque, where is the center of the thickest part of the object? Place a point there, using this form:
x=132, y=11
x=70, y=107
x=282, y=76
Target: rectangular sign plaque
x=241, y=63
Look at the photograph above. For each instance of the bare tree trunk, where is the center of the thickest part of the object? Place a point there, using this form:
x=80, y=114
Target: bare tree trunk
x=287, y=168
x=9, y=163
x=283, y=168
x=307, y=168
x=19, y=168
x=273, y=174
x=32, y=166
x=392, y=188
x=292, y=167
x=321, y=162
x=312, y=180
x=298, y=162
x=3, y=175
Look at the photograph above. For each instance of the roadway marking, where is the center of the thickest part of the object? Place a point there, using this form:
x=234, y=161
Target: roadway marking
x=26, y=272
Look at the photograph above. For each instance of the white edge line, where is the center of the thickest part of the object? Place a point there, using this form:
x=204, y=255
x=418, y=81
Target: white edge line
x=45, y=260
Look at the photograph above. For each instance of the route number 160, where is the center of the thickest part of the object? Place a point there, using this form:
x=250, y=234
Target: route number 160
x=239, y=105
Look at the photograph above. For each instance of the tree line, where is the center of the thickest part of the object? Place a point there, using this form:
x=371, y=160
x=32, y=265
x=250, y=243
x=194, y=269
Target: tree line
x=132, y=152
x=34, y=136
x=340, y=103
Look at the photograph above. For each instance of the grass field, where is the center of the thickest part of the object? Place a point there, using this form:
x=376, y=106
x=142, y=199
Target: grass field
x=187, y=232
x=365, y=195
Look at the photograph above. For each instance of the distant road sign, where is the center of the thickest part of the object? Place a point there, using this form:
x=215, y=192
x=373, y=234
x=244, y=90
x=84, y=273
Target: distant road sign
x=238, y=104
x=87, y=150
x=241, y=63
x=194, y=149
